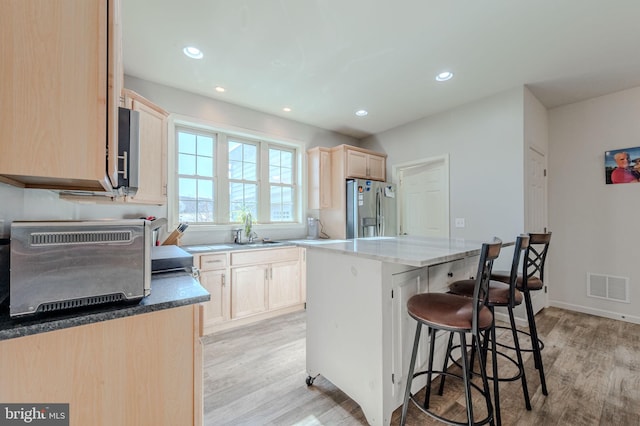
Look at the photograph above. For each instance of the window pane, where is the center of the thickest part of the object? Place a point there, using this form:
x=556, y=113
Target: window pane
x=274, y=157
x=286, y=175
x=287, y=194
x=236, y=193
x=251, y=194
x=250, y=153
x=242, y=196
x=205, y=211
x=205, y=190
x=286, y=159
x=186, y=164
x=205, y=146
x=235, y=170
x=276, y=195
x=205, y=166
x=187, y=188
x=250, y=172
x=235, y=151
x=187, y=211
x=274, y=174
x=186, y=143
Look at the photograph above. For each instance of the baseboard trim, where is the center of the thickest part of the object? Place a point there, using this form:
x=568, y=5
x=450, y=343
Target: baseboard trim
x=597, y=312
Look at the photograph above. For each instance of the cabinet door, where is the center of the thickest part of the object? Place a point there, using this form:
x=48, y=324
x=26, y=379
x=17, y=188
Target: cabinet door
x=153, y=155
x=319, y=185
x=325, y=180
x=284, y=284
x=216, y=310
x=248, y=290
x=377, y=167
x=356, y=164
x=403, y=327
x=53, y=93
x=105, y=370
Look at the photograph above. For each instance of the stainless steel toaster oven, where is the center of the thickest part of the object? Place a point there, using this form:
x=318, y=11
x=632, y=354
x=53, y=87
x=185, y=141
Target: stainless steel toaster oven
x=57, y=265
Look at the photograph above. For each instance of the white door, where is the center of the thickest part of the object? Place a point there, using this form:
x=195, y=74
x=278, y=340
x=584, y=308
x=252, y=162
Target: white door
x=424, y=198
x=536, y=209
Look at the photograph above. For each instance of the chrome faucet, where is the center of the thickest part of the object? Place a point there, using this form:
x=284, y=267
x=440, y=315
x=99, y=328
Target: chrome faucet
x=248, y=224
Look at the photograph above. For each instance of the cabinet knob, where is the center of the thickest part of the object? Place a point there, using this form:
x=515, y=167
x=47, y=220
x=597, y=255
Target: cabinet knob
x=450, y=274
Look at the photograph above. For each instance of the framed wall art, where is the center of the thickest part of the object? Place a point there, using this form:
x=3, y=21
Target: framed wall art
x=622, y=165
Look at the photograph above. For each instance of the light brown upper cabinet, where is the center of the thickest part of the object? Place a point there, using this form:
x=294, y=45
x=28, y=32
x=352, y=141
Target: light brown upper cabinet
x=152, y=188
x=328, y=169
x=61, y=74
x=319, y=173
x=365, y=164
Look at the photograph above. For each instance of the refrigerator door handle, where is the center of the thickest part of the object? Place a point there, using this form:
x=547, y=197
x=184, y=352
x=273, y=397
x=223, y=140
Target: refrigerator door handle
x=379, y=214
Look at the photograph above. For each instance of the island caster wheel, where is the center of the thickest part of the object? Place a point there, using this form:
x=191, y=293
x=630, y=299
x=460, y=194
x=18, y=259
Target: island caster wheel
x=310, y=380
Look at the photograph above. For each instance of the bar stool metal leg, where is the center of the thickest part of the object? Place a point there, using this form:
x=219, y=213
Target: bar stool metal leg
x=533, y=330
x=412, y=364
x=432, y=347
x=516, y=344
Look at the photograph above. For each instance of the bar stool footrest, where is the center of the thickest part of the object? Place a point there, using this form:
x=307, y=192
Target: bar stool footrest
x=540, y=342
x=430, y=413
x=500, y=379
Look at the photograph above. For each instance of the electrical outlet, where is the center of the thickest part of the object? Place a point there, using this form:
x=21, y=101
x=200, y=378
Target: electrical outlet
x=459, y=222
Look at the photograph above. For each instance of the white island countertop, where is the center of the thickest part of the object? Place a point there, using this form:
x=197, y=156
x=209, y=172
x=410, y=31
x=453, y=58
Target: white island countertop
x=406, y=250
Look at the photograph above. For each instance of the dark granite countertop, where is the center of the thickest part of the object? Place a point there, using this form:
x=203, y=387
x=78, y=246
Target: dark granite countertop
x=168, y=290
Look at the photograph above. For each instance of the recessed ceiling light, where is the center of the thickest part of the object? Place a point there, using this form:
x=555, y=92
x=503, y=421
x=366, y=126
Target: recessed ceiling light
x=286, y=109
x=444, y=76
x=193, y=52
x=362, y=112
x=220, y=89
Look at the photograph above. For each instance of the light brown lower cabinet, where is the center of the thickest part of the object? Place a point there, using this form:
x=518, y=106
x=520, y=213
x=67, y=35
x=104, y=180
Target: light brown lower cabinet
x=251, y=285
x=140, y=370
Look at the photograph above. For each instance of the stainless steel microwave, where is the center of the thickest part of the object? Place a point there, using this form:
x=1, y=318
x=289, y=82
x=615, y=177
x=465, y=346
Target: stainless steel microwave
x=58, y=265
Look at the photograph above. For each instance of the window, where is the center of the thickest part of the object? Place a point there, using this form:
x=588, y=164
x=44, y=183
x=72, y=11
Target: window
x=243, y=178
x=196, y=178
x=220, y=175
x=281, y=184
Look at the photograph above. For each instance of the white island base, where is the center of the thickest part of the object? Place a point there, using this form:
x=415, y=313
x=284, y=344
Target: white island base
x=359, y=335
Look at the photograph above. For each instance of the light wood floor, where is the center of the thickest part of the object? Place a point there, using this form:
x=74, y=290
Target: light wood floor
x=256, y=376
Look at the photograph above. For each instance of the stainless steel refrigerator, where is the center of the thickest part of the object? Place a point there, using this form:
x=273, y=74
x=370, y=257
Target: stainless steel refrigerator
x=371, y=208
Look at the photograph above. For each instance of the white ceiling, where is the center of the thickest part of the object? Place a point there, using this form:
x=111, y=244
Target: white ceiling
x=328, y=58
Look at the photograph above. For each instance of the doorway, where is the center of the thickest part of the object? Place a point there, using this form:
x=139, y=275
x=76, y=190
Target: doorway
x=423, y=197
x=536, y=208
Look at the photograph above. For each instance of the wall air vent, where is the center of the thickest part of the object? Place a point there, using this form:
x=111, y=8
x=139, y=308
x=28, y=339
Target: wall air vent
x=75, y=237
x=608, y=287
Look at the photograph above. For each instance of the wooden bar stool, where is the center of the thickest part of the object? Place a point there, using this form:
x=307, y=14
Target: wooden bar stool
x=505, y=295
x=531, y=279
x=454, y=314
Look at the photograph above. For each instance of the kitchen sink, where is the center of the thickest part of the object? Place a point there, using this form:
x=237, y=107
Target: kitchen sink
x=261, y=244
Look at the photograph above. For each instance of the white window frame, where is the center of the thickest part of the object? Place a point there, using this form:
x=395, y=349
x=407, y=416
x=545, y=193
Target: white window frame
x=222, y=196
x=267, y=188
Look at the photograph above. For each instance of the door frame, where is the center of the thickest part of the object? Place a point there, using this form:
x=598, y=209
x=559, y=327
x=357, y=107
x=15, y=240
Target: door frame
x=397, y=169
x=540, y=299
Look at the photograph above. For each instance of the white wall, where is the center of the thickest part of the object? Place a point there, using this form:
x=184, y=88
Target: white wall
x=484, y=140
x=595, y=226
x=225, y=114
x=32, y=204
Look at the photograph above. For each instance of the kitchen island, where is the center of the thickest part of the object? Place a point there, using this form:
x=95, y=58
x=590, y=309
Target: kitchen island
x=118, y=364
x=359, y=335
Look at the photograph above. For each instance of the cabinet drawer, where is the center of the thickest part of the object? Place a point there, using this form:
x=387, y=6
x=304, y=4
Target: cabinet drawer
x=440, y=276
x=209, y=262
x=253, y=257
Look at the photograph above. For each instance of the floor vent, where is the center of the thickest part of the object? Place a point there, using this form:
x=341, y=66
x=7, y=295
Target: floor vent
x=608, y=287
